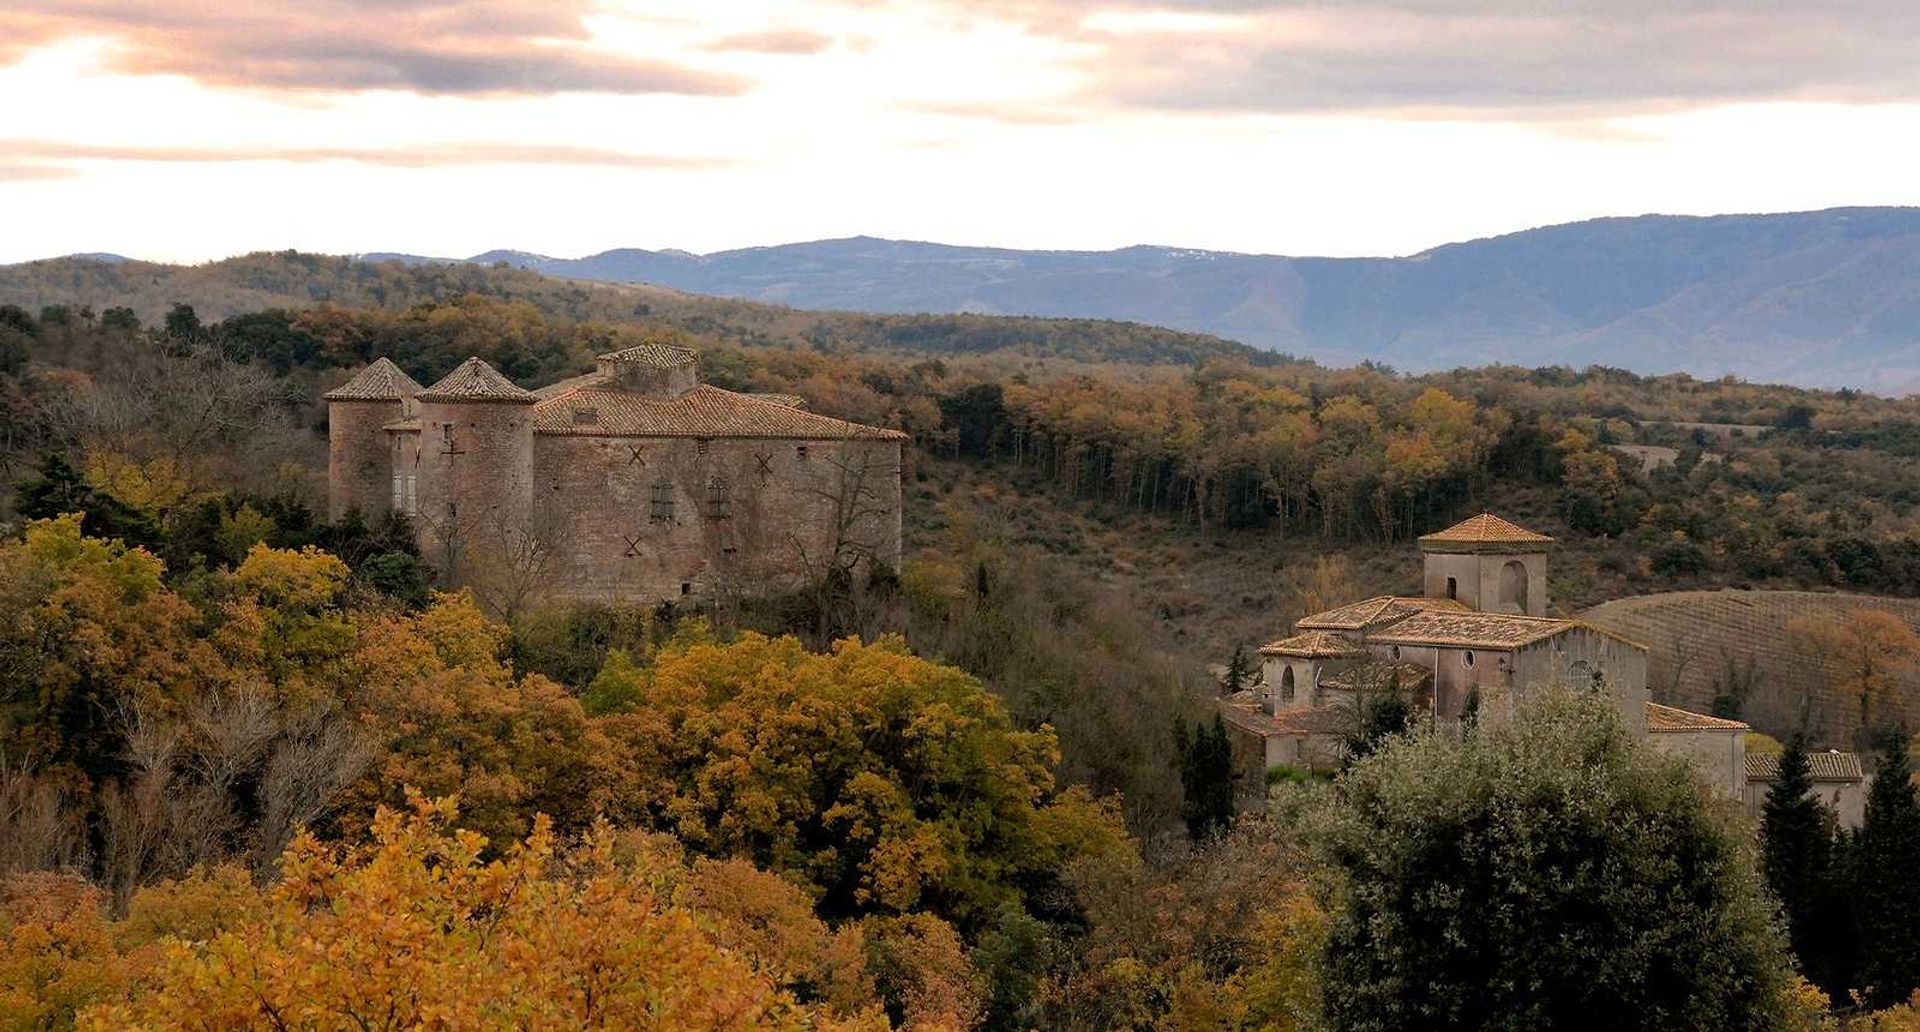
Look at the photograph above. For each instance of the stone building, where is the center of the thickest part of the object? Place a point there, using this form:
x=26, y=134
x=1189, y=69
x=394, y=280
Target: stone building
x=635, y=482
x=1477, y=640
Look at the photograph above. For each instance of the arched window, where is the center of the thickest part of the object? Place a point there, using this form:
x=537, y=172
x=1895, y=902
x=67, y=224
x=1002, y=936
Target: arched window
x=719, y=499
x=1286, y=686
x=1581, y=674
x=1513, y=586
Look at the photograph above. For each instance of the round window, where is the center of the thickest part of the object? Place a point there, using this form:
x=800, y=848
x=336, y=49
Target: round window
x=1469, y=657
x=1395, y=653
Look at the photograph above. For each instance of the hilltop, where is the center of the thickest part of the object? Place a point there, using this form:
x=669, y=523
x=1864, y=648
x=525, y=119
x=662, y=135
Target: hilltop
x=1827, y=298
x=287, y=279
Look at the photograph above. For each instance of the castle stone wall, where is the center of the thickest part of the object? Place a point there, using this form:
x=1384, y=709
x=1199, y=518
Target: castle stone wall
x=359, y=463
x=474, y=484
x=655, y=518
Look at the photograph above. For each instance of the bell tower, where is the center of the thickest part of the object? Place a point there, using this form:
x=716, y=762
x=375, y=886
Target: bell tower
x=1488, y=564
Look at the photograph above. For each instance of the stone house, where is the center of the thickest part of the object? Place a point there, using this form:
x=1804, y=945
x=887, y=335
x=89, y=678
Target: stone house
x=1476, y=642
x=633, y=483
x=1838, y=781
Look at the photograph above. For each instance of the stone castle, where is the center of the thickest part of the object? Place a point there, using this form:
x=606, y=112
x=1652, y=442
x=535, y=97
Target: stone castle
x=1477, y=639
x=635, y=482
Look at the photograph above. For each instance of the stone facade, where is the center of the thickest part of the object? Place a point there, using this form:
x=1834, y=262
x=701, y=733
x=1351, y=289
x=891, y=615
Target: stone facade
x=635, y=483
x=1477, y=640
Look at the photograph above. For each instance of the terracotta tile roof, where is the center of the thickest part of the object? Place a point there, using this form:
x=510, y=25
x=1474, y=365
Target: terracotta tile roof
x=1358, y=616
x=474, y=380
x=659, y=356
x=381, y=380
x=789, y=400
x=596, y=409
x=1668, y=718
x=1484, y=529
x=1407, y=676
x=560, y=387
x=1314, y=645
x=1824, y=766
x=1471, y=630
x=1318, y=720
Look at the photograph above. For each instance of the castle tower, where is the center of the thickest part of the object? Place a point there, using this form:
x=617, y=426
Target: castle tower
x=657, y=370
x=360, y=465
x=1489, y=564
x=475, y=483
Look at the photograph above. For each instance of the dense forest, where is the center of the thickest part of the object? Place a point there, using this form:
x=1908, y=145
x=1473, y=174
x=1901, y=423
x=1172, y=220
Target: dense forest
x=234, y=731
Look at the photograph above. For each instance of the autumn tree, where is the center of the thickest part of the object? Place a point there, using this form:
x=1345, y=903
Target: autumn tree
x=888, y=783
x=1866, y=655
x=415, y=928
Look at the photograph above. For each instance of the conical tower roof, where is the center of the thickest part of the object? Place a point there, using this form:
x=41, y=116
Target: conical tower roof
x=474, y=380
x=380, y=381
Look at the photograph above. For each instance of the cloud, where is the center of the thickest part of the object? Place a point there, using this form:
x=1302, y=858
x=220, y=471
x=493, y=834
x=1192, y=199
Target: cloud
x=423, y=46
x=1491, y=58
x=56, y=153
x=22, y=172
x=774, y=41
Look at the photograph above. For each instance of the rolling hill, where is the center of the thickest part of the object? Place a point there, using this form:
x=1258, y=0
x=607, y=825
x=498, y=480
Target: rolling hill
x=1697, y=637
x=1828, y=298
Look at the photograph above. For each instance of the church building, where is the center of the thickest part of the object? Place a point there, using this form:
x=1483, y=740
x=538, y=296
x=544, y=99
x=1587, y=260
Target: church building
x=633, y=483
x=1475, y=641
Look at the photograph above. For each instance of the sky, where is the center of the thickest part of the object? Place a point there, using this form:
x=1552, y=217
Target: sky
x=189, y=130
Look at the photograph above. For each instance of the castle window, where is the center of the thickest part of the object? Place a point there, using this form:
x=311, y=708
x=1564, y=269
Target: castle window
x=661, y=507
x=800, y=452
x=399, y=493
x=413, y=496
x=1453, y=587
x=1468, y=658
x=719, y=500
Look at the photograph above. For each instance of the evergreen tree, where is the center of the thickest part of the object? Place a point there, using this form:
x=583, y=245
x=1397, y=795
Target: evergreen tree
x=1886, y=879
x=59, y=489
x=1239, y=671
x=1797, y=852
x=1206, y=777
x=1547, y=872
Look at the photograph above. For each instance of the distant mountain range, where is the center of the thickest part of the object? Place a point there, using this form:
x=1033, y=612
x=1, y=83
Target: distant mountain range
x=1828, y=298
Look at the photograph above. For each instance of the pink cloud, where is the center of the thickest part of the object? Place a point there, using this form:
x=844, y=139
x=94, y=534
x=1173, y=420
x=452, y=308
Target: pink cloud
x=424, y=46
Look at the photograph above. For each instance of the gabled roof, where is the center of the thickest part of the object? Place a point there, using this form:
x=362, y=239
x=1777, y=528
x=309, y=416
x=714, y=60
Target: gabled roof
x=474, y=380
x=598, y=409
x=1358, y=616
x=1482, y=532
x=1824, y=766
x=1405, y=676
x=381, y=380
x=1669, y=718
x=658, y=356
x=1469, y=630
x=1314, y=645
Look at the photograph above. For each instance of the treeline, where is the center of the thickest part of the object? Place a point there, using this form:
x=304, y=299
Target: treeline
x=1344, y=455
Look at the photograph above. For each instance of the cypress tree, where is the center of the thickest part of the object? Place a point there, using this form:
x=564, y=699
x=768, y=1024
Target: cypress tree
x=1886, y=879
x=1239, y=671
x=1206, y=777
x=1797, y=847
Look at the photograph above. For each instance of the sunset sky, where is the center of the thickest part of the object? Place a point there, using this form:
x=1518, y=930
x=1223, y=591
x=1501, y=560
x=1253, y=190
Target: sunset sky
x=190, y=130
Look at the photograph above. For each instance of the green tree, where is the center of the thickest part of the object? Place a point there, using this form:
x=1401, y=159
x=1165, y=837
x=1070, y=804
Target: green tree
x=1547, y=872
x=1885, y=869
x=1797, y=852
x=1206, y=777
x=1239, y=671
